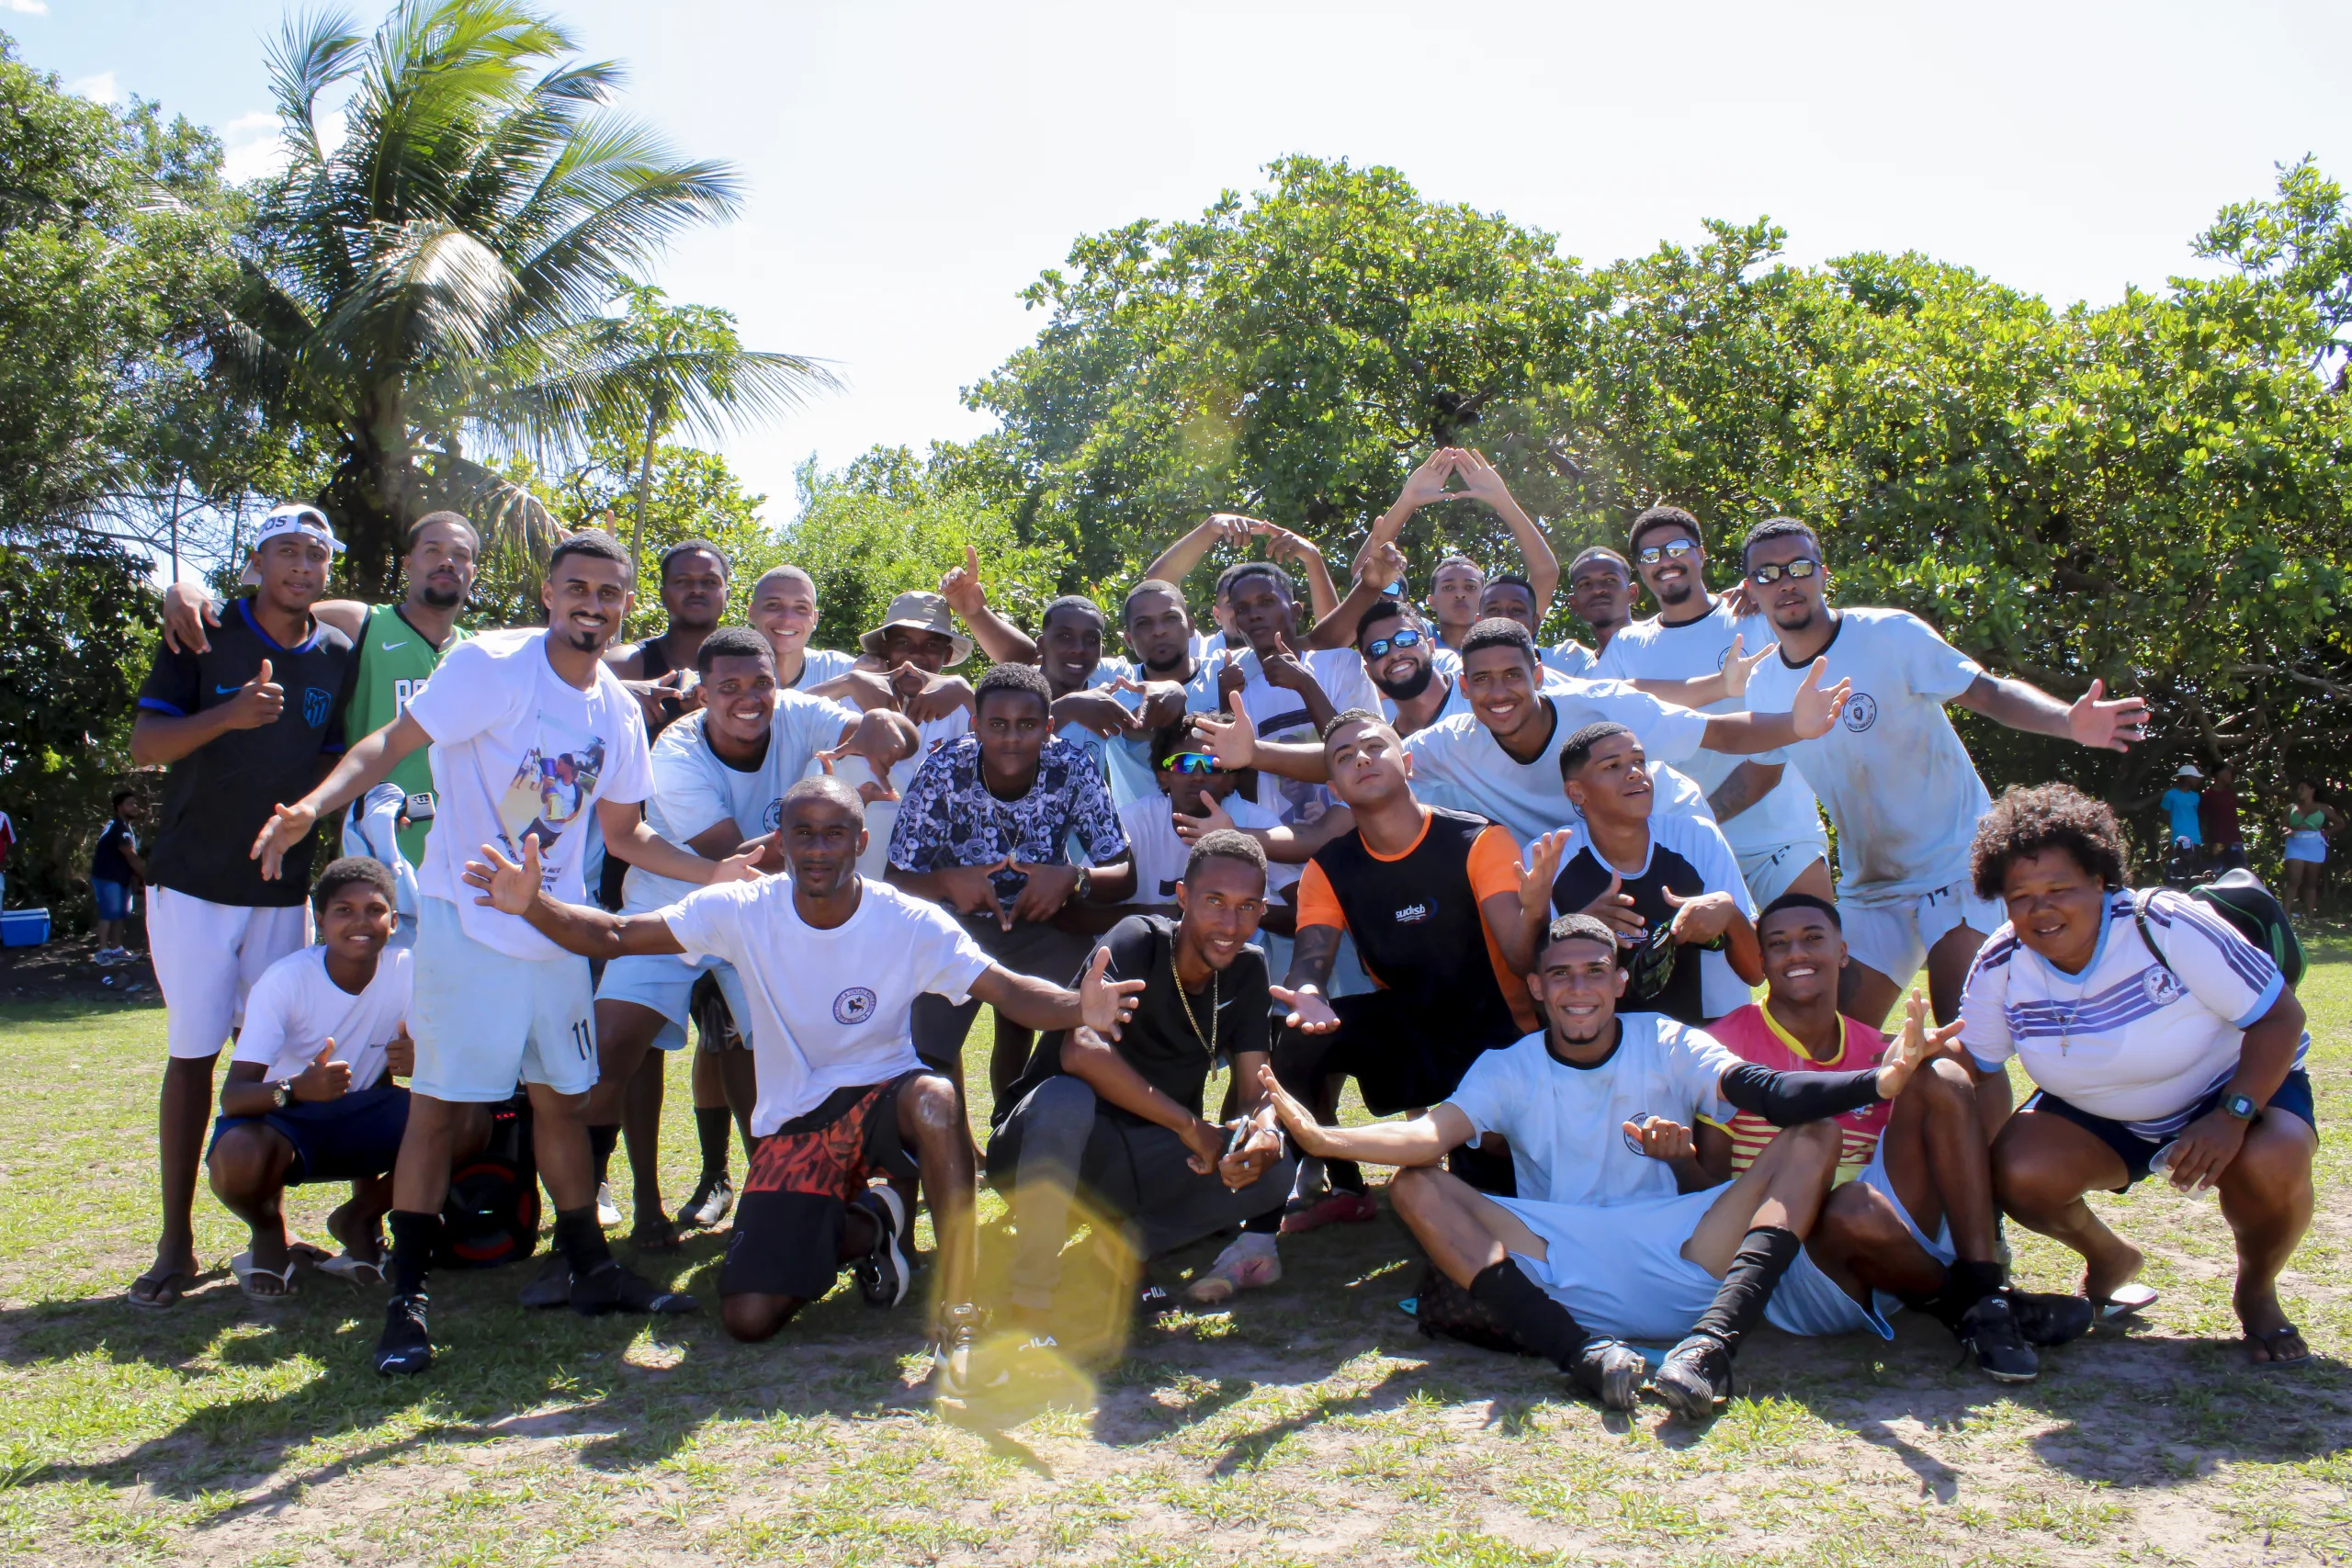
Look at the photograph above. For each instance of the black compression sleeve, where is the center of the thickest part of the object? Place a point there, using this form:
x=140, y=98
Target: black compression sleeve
x=1787, y=1098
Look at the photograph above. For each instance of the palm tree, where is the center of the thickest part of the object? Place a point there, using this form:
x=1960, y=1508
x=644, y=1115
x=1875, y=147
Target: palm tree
x=440, y=279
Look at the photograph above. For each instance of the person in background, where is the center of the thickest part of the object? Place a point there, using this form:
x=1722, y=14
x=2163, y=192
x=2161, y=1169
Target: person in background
x=1174, y=563
x=1196, y=798
x=1601, y=594
x=2309, y=821
x=1458, y=583
x=783, y=610
x=2224, y=839
x=116, y=869
x=2183, y=805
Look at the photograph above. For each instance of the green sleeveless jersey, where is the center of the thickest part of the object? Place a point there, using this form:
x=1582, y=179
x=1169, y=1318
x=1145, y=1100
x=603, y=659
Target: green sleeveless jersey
x=395, y=661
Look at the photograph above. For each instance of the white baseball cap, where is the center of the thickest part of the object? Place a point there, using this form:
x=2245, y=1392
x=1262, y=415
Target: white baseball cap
x=294, y=517
x=2187, y=771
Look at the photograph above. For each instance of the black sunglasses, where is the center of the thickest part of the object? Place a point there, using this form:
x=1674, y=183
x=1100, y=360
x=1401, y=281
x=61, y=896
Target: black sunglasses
x=1650, y=555
x=1378, y=647
x=1800, y=567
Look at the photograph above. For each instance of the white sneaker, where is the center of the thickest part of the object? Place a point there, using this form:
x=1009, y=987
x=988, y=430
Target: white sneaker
x=608, y=1214
x=1247, y=1264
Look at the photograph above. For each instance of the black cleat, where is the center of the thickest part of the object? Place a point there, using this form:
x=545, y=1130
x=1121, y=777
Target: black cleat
x=1989, y=1331
x=551, y=1286
x=1611, y=1371
x=612, y=1288
x=883, y=1273
x=407, y=1345
x=1696, y=1378
x=2051, y=1319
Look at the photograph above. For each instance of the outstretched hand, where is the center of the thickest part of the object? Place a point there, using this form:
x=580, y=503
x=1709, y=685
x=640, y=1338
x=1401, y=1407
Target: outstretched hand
x=1813, y=710
x=1542, y=870
x=1700, y=918
x=508, y=886
x=2107, y=724
x=1233, y=742
x=1739, y=664
x=1297, y=1120
x=1614, y=908
x=1921, y=1039
x=287, y=826
x=1104, y=1004
x=1309, y=1013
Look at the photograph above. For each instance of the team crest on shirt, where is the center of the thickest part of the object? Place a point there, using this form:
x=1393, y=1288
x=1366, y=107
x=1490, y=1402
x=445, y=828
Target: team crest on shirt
x=2162, y=985
x=1861, y=712
x=1633, y=1140
x=316, y=705
x=853, y=1006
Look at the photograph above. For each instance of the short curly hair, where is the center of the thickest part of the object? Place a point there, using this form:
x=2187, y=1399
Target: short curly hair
x=2027, y=820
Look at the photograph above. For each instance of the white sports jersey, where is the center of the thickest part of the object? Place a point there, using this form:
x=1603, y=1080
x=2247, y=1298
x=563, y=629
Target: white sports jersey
x=2129, y=1038
x=1460, y=756
x=829, y=1008
x=1161, y=855
x=1576, y=660
x=296, y=1008
x=695, y=789
x=1891, y=772
x=819, y=665
x=1566, y=1125
x=1652, y=651
x=1280, y=714
x=1699, y=842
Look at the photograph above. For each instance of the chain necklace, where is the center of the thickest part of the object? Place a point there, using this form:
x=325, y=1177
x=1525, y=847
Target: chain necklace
x=2082, y=985
x=1207, y=1041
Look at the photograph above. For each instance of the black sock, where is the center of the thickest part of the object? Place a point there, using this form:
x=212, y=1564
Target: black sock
x=415, y=1237
x=1268, y=1224
x=710, y=1131
x=1538, y=1322
x=1343, y=1174
x=601, y=1142
x=581, y=1240
x=1964, y=1285
x=1764, y=1254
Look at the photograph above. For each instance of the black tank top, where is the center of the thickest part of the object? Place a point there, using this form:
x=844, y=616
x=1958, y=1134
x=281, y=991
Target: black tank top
x=1417, y=927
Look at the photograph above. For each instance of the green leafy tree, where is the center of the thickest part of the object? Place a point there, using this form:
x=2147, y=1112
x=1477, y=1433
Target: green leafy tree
x=429, y=296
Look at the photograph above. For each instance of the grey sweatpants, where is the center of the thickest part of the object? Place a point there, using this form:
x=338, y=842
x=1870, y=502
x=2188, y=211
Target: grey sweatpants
x=1060, y=1141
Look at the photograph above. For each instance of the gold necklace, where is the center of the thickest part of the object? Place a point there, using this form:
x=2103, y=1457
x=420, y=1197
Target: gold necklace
x=1209, y=1040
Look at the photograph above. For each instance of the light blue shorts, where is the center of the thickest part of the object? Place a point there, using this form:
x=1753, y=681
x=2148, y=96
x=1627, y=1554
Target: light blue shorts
x=1824, y=1306
x=665, y=982
x=484, y=1021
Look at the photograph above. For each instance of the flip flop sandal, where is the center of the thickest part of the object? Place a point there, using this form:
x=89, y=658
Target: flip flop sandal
x=154, y=1290
x=2284, y=1331
x=248, y=1272
x=663, y=1238
x=2127, y=1303
x=358, y=1271
x=309, y=1252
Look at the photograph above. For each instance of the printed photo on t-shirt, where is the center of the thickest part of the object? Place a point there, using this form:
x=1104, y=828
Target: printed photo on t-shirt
x=553, y=783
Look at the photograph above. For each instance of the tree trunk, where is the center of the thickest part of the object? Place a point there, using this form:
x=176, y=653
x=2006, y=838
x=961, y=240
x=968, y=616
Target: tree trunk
x=654, y=419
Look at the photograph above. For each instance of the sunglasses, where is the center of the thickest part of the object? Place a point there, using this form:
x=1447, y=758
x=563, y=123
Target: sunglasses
x=1650, y=555
x=1800, y=569
x=1378, y=647
x=1189, y=762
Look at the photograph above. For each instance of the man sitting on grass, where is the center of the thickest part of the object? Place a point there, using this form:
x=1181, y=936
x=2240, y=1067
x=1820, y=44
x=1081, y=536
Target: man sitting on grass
x=310, y=1096
x=1622, y=1219
x=830, y=965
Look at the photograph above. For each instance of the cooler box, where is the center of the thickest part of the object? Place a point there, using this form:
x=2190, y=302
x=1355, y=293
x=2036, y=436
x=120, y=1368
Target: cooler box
x=23, y=928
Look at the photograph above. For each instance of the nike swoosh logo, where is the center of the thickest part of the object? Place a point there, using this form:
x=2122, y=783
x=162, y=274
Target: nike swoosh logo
x=226, y=691
x=392, y=647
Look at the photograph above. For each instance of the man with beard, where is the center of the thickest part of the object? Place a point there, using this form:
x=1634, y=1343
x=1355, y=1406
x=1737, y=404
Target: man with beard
x=1893, y=775
x=1768, y=816
x=399, y=646
x=530, y=731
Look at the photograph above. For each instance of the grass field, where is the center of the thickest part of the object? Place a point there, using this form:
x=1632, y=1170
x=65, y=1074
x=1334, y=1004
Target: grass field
x=1310, y=1424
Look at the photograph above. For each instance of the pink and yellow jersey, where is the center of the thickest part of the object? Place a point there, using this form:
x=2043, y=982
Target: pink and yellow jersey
x=1753, y=1034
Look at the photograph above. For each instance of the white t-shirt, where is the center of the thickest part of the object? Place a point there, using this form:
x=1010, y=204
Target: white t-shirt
x=693, y=790
x=1161, y=855
x=295, y=1009
x=1652, y=651
x=2125, y=1039
x=829, y=1008
x=1461, y=755
x=1566, y=1125
x=1280, y=714
x=1574, y=659
x=1701, y=844
x=882, y=816
x=819, y=665
x=1891, y=772
x=517, y=749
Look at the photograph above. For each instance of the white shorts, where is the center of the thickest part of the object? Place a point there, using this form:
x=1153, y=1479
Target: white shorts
x=1894, y=936
x=484, y=1021
x=665, y=982
x=208, y=956
x=1619, y=1269
x=1769, y=870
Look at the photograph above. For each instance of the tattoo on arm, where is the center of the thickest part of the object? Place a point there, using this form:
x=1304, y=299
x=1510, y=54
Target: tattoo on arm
x=1312, y=954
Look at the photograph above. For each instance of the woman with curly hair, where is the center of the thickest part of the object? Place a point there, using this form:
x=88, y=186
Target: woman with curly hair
x=2158, y=1039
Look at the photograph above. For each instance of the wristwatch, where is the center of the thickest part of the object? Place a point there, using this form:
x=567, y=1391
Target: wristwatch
x=283, y=1092
x=1085, y=880
x=2240, y=1106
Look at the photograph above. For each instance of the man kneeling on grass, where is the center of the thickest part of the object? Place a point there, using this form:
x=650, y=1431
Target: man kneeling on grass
x=831, y=964
x=1122, y=1119
x=310, y=1096
x=1622, y=1219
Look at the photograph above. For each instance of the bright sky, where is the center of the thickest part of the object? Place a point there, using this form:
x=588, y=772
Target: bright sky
x=909, y=167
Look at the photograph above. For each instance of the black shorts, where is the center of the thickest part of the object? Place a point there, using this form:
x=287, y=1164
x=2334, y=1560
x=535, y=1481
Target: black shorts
x=342, y=1139
x=2294, y=1096
x=787, y=1234
x=1401, y=1059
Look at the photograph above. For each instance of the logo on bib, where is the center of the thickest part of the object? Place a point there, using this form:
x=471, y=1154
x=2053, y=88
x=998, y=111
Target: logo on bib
x=1633, y=1139
x=2162, y=985
x=1861, y=712
x=853, y=1006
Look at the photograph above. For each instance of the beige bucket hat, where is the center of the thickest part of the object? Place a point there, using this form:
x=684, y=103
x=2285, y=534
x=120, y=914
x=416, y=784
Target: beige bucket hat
x=924, y=613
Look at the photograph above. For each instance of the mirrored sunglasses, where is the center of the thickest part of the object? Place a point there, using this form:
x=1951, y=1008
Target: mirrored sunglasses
x=1800, y=567
x=1650, y=555
x=1189, y=762
x=1378, y=647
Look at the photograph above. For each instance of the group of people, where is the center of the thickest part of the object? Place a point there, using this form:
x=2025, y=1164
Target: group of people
x=1519, y=894
x=2201, y=821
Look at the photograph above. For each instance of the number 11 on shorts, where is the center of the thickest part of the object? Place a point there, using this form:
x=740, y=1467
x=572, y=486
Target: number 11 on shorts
x=583, y=1039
